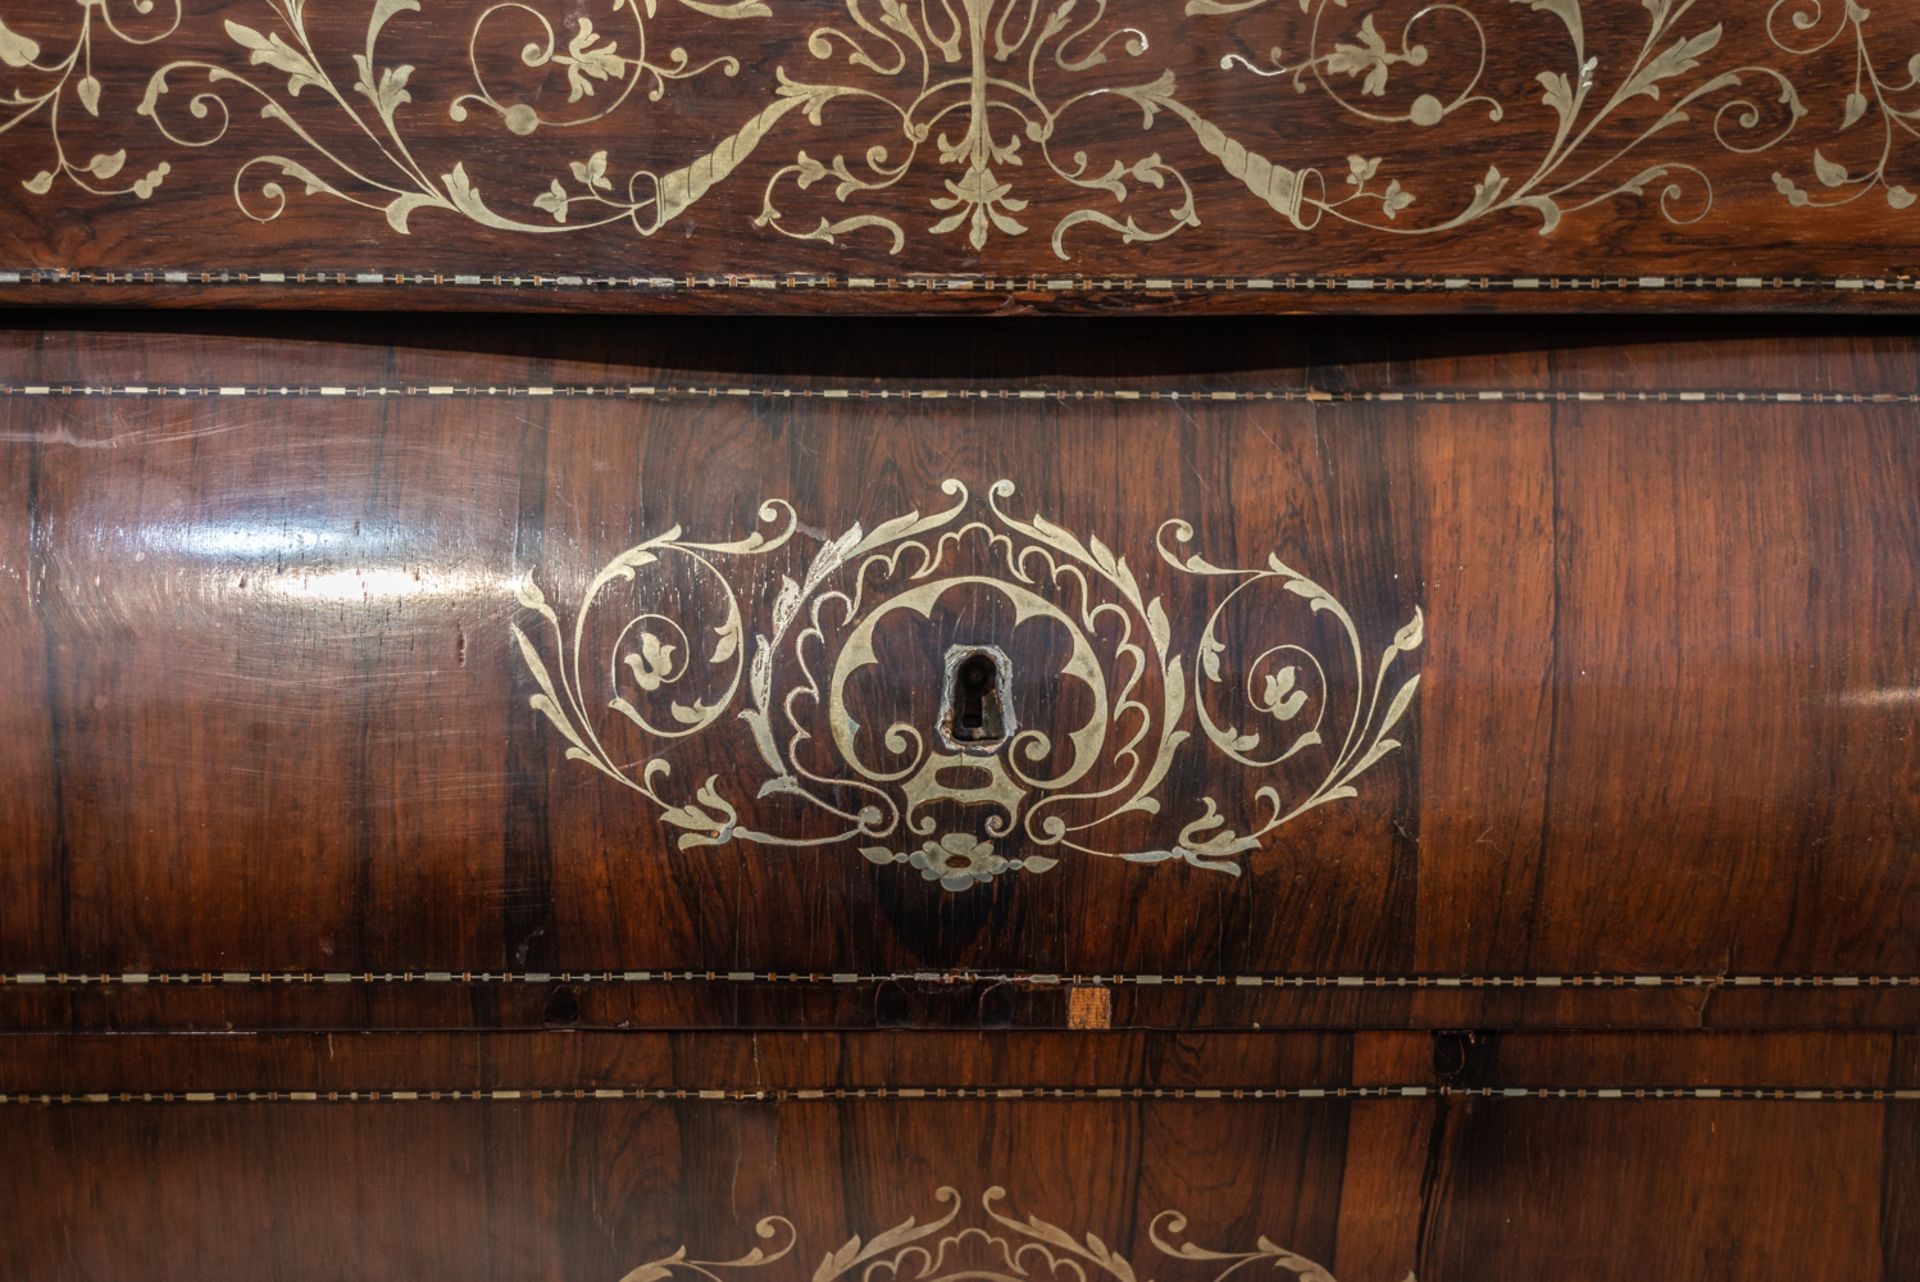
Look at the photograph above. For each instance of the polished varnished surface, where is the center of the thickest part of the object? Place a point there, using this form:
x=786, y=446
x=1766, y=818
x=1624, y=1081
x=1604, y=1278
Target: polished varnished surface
x=965, y=154
x=350, y=929
x=271, y=715
x=1457, y=1181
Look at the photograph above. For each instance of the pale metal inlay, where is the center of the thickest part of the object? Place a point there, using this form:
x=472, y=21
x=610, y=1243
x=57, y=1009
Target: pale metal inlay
x=982, y=1242
x=961, y=90
x=1046, y=792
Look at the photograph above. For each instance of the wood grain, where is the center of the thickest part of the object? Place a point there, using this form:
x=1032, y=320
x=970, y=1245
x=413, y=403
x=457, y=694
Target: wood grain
x=837, y=155
x=321, y=959
x=1445, y=1187
x=269, y=728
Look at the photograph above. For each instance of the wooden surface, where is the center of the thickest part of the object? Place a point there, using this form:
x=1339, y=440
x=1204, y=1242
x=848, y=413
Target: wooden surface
x=853, y=155
x=321, y=956
x=271, y=717
x=1467, y=1183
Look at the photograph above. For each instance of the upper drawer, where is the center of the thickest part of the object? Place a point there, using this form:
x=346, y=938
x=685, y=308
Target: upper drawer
x=870, y=154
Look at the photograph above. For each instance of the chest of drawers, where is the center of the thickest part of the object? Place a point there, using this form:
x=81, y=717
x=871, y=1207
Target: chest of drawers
x=553, y=730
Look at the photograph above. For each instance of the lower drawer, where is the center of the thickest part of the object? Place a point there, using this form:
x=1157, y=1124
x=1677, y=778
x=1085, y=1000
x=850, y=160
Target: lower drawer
x=789, y=1156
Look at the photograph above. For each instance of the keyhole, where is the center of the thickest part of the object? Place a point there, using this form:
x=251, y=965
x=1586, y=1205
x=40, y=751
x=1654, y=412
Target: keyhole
x=974, y=686
x=976, y=701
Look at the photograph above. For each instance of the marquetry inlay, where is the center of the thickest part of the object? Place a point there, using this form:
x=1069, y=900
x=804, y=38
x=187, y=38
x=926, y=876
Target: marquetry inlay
x=1277, y=683
x=969, y=89
x=982, y=1240
x=1113, y=147
x=1612, y=1093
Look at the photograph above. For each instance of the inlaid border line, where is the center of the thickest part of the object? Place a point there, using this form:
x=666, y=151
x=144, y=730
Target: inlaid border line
x=647, y=391
x=1612, y=981
x=790, y=1095
x=962, y=282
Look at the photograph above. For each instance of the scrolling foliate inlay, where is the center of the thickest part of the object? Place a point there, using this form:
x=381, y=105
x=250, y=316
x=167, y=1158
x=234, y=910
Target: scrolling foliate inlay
x=1320, y=109
x=985, y=1242
x=832, y=678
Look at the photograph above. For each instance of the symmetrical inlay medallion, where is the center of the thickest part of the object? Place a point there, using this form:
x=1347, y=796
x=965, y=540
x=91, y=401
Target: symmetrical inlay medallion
x=834, y=682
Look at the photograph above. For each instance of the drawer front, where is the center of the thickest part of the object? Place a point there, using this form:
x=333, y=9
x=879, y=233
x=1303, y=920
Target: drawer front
x=748, y=801
x=970, y=154
x=786, y=1156
x=1418, y=692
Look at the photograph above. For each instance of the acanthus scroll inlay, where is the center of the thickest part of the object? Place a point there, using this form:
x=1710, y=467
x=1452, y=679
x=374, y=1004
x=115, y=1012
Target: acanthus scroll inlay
x=1279, y=689
x=1000, y=98
x=983, y=1241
